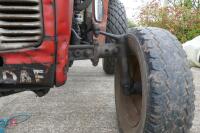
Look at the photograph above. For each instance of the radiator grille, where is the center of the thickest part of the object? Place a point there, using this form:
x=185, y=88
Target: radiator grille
x=20, y=24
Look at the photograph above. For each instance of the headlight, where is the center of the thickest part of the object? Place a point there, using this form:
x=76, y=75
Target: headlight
x=99, y=10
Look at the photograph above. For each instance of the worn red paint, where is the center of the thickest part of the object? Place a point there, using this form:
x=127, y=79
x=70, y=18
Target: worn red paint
x=102, y=25
x=57, y=17
x=46, y=52
x=64, y=23
x=41, y=54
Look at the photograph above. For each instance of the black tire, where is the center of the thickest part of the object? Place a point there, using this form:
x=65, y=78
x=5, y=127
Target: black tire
x=166, y=101
x=116, y=24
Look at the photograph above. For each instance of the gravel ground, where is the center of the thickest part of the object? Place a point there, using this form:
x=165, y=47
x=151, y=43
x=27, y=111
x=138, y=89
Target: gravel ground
x=84, y=105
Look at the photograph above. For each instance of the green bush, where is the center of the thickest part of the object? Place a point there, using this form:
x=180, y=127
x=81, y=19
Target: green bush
x=183, y=20
x=131, y=23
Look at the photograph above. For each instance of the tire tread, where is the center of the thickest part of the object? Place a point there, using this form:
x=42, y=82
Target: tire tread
x=116, y=24
x=171, y=82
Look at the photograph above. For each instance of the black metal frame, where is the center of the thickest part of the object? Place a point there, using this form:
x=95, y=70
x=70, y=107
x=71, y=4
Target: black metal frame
x=119, y=50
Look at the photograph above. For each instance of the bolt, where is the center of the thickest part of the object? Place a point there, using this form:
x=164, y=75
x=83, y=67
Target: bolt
x=77, y=53
x=88, y=53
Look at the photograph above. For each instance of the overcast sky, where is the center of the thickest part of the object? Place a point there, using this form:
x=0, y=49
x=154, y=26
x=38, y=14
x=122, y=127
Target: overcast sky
x=133, y=7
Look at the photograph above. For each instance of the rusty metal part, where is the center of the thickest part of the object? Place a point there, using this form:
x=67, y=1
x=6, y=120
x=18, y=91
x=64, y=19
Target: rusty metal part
x=122, y=44
x=106, y=50
x=118, y=50
x=21, y=24
x=129, y=107
x=129, y=104
x=82, y=52
x=123, y=61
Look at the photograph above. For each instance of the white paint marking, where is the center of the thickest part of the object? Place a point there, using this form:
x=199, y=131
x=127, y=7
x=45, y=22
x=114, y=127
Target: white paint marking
x=8, y=74
x=24, y=77
x=38, y=75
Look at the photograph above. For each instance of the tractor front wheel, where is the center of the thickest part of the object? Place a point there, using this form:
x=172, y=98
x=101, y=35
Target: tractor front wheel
x=165, y=103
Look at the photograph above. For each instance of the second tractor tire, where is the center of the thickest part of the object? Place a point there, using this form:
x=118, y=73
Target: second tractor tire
x=116, y=24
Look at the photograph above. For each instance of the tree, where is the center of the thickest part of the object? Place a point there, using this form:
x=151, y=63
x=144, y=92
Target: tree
x=181, y=18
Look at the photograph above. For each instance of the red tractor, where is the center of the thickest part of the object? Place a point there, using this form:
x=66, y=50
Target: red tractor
x=40, y=40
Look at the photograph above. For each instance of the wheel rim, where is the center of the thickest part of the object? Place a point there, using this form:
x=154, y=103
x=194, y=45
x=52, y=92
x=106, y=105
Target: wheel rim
x=129, y=107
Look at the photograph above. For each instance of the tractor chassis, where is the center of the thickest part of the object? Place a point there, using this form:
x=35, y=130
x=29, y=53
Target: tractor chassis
x=92, y=51
x=119, y=50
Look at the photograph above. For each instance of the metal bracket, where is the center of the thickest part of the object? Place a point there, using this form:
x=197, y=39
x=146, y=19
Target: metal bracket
x=129, y=87
x=83, y=52
x=118, y=49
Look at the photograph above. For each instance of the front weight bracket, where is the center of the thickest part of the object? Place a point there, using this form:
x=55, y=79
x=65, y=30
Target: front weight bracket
x=129, y=87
